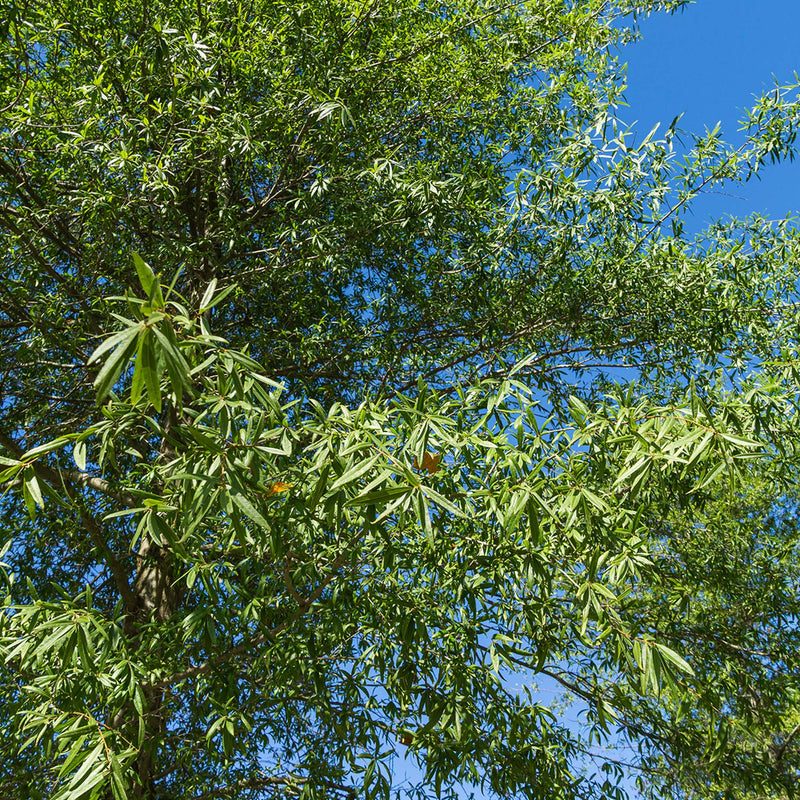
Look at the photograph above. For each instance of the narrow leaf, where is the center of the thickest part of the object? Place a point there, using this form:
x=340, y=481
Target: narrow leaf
x=244, y=504
x=79, y=454
x=146, y=275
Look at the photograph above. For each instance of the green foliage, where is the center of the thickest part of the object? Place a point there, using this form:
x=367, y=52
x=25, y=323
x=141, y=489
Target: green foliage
x=726, y=587
x=311, y=455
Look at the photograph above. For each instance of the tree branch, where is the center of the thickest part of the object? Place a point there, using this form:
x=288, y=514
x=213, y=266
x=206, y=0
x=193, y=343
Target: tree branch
x=249, y=645
x=60, y=478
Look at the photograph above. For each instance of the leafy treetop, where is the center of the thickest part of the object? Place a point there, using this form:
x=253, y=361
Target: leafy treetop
x=307, y=316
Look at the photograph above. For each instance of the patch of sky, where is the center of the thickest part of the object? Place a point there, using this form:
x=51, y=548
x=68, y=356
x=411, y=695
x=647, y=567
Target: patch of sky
x=710, y=63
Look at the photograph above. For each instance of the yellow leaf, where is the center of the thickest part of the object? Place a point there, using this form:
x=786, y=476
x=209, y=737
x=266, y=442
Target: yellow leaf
x=277, y=487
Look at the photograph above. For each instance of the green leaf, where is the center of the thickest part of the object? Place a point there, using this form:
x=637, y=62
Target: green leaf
x=162, y=532
x=91, y=773
x=146, y=275
x=354, y=472
x=420, y=505
x=207, y=295
x=320, y=487
x=673, y=658
x=48, y=447
x=151, y=371
x=212, y=297
x=32, y=486
x=177, y=367
x=137, y=382
x=380, y=496
x=244, y=504
x=79, y=454
x=115, y=363
x=112, y=341
x=443, y=502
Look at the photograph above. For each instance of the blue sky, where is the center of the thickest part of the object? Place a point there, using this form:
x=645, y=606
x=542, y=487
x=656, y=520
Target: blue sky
x=709, y=62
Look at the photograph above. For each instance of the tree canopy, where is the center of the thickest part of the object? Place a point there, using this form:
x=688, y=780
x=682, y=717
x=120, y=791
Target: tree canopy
x=358, y=373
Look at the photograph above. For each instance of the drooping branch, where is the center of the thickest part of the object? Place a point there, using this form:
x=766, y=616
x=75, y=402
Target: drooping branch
x=291, y=785
x=69, y=480
x=57, y=477
x=249, y=645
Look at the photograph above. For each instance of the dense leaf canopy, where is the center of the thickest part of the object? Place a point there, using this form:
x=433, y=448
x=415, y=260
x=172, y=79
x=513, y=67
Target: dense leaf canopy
x=357, y=375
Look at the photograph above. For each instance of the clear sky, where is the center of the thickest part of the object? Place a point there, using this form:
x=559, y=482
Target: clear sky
x=709, y=61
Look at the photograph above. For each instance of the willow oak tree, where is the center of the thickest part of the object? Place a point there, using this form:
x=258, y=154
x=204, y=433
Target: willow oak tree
x=308, y=446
